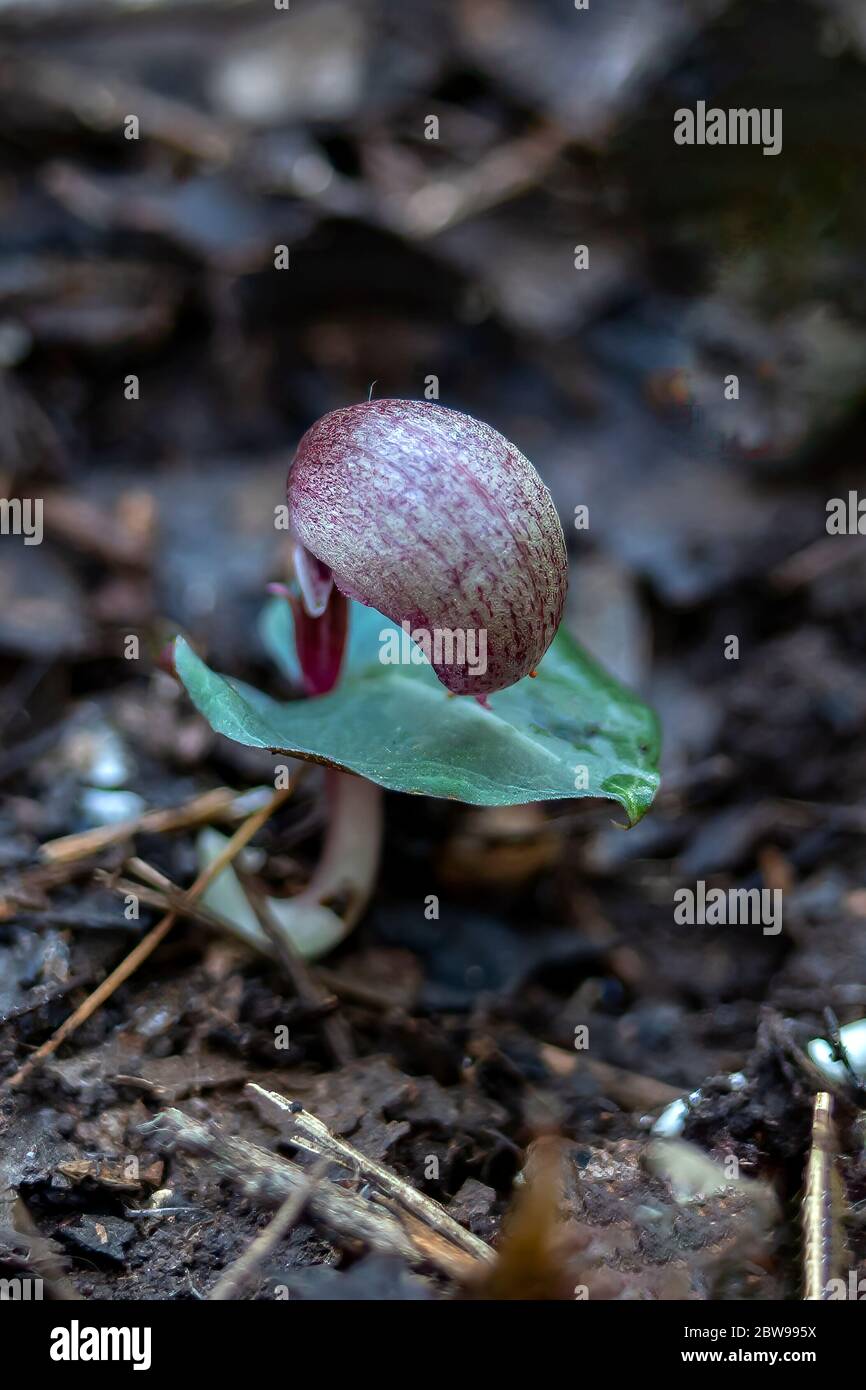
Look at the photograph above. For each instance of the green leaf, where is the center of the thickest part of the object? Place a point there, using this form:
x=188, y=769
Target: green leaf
x=398, y=726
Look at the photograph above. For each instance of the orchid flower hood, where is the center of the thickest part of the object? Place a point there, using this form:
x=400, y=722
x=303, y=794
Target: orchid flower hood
x=437, y=521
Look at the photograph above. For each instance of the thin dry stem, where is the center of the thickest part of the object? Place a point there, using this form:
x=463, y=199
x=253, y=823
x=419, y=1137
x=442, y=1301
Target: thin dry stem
x=308, y=989
x=823, y=1205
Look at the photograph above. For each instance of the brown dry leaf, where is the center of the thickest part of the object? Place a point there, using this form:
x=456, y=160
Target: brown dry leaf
x=530, y=1264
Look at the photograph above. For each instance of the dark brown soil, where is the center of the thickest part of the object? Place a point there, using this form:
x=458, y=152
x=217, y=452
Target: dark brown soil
x=707, y=520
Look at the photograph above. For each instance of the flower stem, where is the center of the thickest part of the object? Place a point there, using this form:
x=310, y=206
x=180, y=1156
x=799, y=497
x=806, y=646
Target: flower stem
x=346, y=872
x=324, y=912
x=339, y=890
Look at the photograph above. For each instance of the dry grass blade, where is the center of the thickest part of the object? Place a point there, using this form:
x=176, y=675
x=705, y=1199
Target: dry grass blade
x=220, y=803
x=149, y=943
x=162, y=899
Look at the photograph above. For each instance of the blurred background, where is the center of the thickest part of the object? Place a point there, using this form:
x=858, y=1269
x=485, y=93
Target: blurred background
x=446, y=267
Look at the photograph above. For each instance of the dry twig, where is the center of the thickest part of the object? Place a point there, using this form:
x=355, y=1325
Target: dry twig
x=241, y=1274
x=823, y=1206
x=344, y=1217
x=310, y=1134
x=31, y=887
x=630, y=1089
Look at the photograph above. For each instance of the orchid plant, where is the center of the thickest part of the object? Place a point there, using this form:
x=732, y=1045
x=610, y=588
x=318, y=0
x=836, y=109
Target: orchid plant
x=422, y=625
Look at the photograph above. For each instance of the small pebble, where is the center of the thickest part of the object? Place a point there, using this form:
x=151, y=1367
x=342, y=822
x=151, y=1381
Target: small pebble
x=853, y=1039
x=101, y=807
